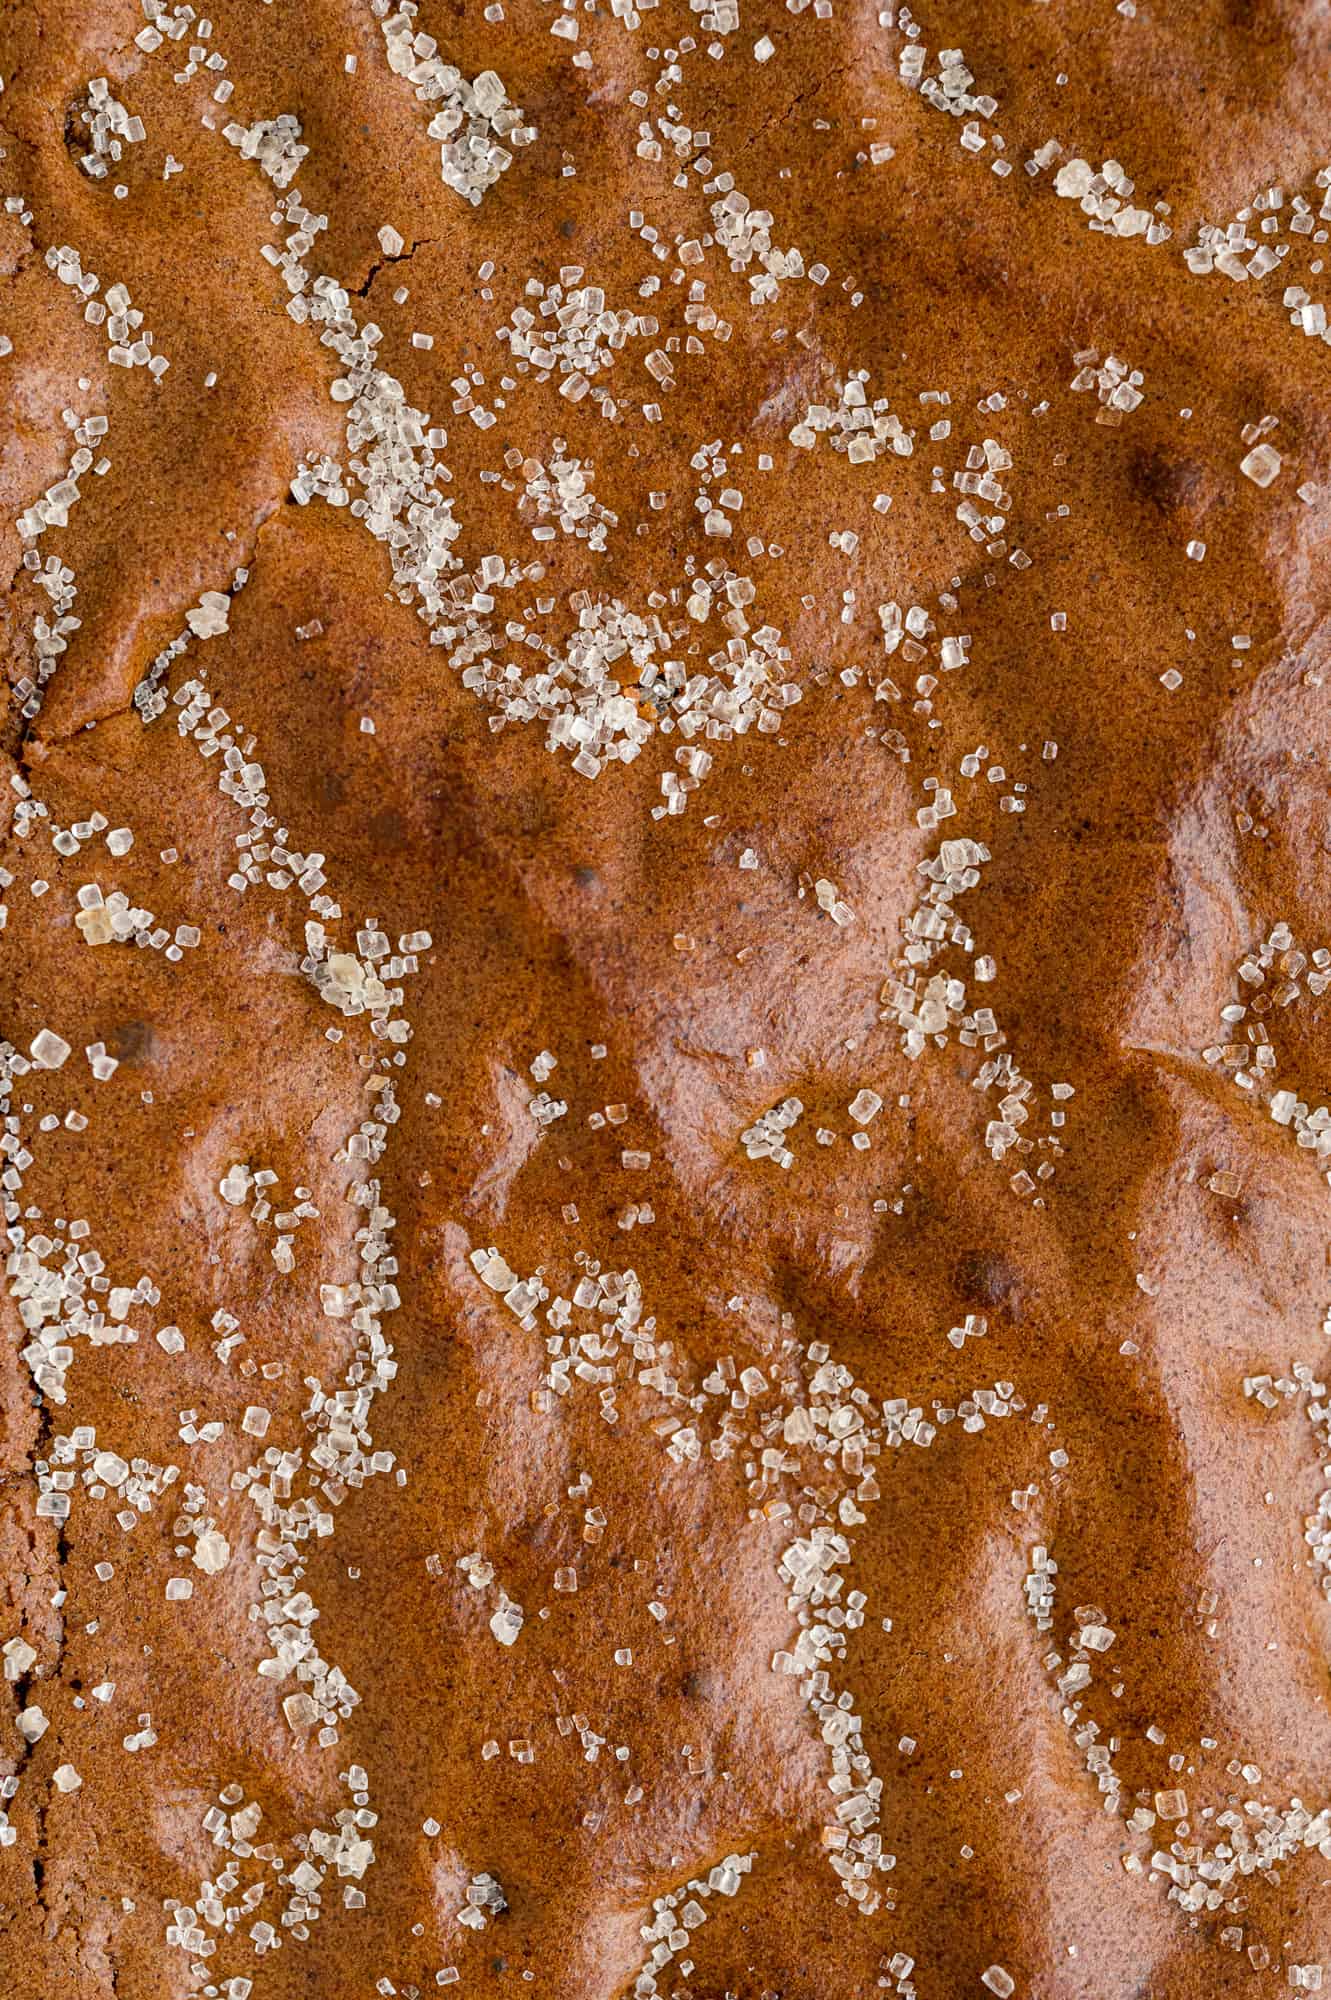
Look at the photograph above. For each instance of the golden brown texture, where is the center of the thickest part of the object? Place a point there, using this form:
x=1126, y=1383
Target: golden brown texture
x=684, y=974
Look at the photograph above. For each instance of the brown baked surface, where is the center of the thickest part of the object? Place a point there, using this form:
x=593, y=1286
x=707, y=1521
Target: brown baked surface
x=1150, y=1256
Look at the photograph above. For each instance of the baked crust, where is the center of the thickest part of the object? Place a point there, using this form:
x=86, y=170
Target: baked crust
x=1036, y=1303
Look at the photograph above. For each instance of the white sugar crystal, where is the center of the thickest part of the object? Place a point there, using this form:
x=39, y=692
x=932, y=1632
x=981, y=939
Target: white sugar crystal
x=469, y=119
x=48, y=1051
x=19, y=1656
x=212, y=1552
x=95, y=924
x=274, y=143
x=1074, y=180
x=208, y=618
x=506, y=1622
x=236, y=1184
x=494, y=1272
x=1261, y=465
x=827, y=898
x=66, y=1779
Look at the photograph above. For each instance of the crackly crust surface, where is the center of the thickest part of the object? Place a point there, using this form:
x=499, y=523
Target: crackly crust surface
x=665, y=859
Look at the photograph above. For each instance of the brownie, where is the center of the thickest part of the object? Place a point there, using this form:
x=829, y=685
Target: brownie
x=664, y=842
